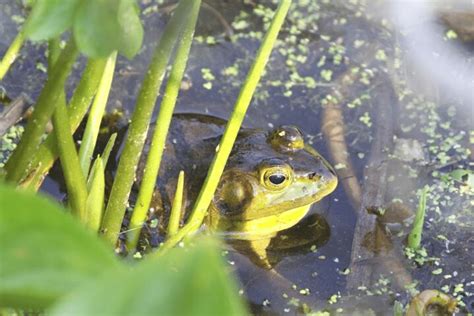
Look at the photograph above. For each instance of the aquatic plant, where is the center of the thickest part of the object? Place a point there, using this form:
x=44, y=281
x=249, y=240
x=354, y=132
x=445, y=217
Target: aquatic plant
x=100, y=31
x=59, y=266
x=414, y=238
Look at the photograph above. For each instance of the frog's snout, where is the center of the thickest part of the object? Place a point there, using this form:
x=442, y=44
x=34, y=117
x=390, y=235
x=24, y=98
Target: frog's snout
x=324, y=177
x=323, y=171
x=329, y=178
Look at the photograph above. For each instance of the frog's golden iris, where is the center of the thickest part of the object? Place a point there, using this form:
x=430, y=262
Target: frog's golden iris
x=269, y=183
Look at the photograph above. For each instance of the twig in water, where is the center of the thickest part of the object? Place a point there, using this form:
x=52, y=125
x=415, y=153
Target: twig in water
x=13, y=113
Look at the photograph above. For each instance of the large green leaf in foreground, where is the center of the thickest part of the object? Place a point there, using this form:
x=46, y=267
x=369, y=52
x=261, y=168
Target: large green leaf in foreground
x=44, y=253
x=182, y=282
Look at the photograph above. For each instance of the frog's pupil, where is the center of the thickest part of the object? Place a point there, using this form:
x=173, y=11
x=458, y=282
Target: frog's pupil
x=277, y=178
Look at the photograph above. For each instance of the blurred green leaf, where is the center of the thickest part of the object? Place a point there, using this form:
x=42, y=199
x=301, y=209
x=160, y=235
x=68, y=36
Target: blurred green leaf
x=131, y=35
x=459, y=174
x=102, y=26
x=49, y=18
x=28, y=3
x=397, y=309
x=184, y=282
x=99, y=26
x=465, y=176
x=44, y=253
x=96, y=27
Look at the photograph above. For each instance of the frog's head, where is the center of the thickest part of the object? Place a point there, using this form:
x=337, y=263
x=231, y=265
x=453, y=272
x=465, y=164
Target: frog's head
x=269, y=183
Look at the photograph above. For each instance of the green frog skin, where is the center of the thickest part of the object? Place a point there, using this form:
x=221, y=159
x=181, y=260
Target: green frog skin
x=268, y=185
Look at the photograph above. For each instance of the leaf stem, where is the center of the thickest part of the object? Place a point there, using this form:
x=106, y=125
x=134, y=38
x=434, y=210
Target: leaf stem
x=44, y=158
x=160, y=133
x=75, y=181
x=118, y=199
x=177, y=207
x=230, y=134
x=96, y=113
x=95, y=197
x=21, y=157
x=108, y=149
x=11, y=54
x=53, y=54
x=414, y=238
x=74, y=178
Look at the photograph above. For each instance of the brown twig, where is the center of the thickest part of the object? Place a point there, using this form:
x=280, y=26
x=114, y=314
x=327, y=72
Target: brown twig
x=14, y=113
x=363, y=268
x=333, y=129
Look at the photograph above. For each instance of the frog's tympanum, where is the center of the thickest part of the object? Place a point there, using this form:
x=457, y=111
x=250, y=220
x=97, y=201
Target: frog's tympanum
x=268, y=185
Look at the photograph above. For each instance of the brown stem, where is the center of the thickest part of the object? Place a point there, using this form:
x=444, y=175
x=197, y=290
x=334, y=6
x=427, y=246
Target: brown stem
x=333, y=128
x=363, y=259
x=14, y=112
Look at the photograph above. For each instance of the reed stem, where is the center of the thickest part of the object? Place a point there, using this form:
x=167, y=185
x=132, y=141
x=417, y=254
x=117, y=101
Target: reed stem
x=96, y=114
x=163, y=122
x=21, y=158
x=11, y=54
x=230, y=134
x=75, y=181
x=137, y=132
x=73, y=176
x=47, y=153
x=177, y=207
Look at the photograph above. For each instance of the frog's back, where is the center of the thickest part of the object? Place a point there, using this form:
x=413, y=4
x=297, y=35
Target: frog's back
x=188, y=129
x=190, y=146
x=191, y=143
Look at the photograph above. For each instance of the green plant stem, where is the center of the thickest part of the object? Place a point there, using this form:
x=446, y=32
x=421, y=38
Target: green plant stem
x=47, y=153
x=75, y=181
x=95, y=197
x=53, y=54
x=177, y=207
x=230, y=134
x=21, y=157
x=118, y=199
x=414, y=238
x=160, y=133
x=11, y=54
x=96, y=113
x=108, y=149
x=74, y=178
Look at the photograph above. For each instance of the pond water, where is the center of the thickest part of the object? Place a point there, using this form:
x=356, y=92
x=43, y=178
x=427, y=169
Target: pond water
x=364, y=58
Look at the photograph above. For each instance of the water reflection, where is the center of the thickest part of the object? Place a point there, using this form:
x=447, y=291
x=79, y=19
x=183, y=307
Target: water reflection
x=435, y=57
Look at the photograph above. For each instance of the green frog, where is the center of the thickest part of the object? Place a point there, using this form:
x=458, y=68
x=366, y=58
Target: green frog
x=268, y=185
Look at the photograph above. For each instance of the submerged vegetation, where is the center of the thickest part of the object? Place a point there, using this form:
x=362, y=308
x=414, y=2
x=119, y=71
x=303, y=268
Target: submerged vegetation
x=338, y=70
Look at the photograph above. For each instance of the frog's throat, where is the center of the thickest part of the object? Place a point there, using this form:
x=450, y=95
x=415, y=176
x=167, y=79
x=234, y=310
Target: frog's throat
x=254, y=229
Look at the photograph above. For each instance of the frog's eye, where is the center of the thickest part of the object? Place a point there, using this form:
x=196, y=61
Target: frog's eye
x=277, y=178
x=275, y=174
x=286, y=138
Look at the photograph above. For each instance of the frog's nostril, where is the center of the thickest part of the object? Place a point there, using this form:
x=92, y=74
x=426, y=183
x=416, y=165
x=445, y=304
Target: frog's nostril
x=314, y=176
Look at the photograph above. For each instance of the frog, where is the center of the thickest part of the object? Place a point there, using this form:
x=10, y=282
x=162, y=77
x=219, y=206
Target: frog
x=271, y=179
